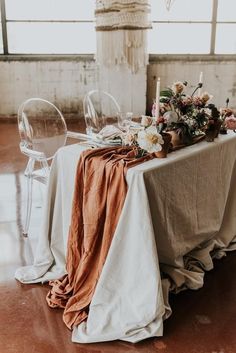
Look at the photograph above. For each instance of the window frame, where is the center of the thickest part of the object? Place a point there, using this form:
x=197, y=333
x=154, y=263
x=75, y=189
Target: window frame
x=13, y=56
x=52, y=57
x=211, y=55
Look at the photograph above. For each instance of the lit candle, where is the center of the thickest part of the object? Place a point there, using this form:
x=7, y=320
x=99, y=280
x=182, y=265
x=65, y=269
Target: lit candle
x=158, y=98
x=200, y=81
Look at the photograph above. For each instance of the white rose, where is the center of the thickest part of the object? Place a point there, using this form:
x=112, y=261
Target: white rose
x=150, y=140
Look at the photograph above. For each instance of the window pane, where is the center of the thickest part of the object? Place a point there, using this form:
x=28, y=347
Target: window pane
x=226, y=10
x=51, y=38
x=225, y=39
x=182, y=10
x=50, y=9
x=1, y=42
x=167, y=38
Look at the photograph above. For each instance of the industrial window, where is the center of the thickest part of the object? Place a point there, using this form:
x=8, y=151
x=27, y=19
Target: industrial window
x=49, y=26
x=226, y=27
x=67, y=27
x=193, y=27
x=1, y=42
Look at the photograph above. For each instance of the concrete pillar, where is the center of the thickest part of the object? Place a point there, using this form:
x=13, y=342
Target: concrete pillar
x=128, y=88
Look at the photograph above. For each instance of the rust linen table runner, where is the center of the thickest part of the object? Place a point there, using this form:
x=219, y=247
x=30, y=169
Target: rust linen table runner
x=99, y=194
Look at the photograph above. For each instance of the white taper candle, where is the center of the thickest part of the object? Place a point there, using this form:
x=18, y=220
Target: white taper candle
x=158, y=98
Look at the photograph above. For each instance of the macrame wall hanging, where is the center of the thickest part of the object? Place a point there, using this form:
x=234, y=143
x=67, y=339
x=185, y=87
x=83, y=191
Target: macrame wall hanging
x=121, y=27
x=169, y=3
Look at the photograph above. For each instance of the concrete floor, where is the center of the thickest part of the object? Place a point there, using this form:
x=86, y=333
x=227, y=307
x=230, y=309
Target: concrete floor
x=203, y=321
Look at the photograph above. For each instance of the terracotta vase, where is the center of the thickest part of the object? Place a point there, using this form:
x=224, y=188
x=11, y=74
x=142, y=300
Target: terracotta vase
x=176, y=141
x=213, y=130
x=165, y=147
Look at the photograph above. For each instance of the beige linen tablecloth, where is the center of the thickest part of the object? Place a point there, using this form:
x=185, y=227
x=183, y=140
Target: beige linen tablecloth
x=179, y=211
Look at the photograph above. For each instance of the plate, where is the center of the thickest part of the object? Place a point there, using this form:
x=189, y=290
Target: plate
x=106, y=142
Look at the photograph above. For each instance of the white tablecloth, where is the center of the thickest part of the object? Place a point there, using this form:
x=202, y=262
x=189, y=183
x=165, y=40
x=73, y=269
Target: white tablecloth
x=179, y=212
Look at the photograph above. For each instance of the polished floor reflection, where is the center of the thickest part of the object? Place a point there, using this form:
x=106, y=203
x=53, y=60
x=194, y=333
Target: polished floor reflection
x=203, y=321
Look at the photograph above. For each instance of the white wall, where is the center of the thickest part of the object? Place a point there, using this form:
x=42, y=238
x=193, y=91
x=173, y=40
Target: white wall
x=65, y=83
x=219, y=77
x=62, y=82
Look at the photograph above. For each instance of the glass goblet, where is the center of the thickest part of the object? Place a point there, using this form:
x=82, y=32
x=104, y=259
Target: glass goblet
x=124, y=121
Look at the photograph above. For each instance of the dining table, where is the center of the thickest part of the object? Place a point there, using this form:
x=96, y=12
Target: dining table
x=179, y=215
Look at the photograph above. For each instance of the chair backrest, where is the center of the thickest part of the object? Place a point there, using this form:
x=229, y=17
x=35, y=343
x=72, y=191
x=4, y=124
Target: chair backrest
x=100, y=109
x=41, y=126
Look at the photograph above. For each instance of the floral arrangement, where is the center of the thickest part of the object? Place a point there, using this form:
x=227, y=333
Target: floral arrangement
x=228, y=118
x=188, y=115
x=145, y=137
x=230, y=122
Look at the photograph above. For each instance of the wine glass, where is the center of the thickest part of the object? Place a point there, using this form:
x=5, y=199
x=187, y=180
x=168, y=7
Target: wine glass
x=124, y=120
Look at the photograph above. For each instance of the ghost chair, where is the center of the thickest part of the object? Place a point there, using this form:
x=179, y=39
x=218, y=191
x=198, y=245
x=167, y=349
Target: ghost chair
x=43, y=131
x=100, y=109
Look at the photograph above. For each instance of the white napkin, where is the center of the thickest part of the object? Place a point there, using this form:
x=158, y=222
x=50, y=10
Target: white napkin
x=109, y=132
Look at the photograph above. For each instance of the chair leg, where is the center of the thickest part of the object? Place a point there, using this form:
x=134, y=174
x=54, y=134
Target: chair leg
x=28, y=206
x=45, y=167
x=28, y=174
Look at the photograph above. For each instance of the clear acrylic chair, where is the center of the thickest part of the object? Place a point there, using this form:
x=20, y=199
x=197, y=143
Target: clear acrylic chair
x=42, y=131
x=100, y=109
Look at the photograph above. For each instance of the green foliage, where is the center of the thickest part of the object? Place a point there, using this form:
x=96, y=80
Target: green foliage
x=167, y=93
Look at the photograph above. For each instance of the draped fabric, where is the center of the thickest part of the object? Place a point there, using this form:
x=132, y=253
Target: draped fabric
x=100, y=190
x=121, y=27
x=168, y=218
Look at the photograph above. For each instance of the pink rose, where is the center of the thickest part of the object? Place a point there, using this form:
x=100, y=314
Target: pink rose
x=187, y=100
x=230, y=122
x=226, y=112
x=198, y=102
x=146, y=121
